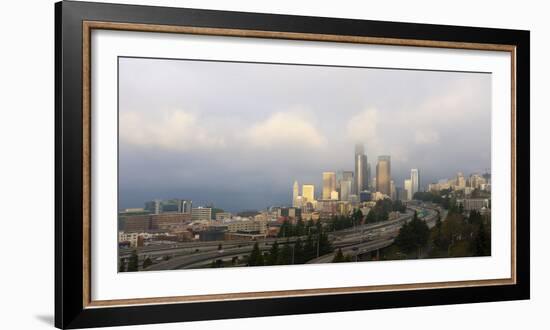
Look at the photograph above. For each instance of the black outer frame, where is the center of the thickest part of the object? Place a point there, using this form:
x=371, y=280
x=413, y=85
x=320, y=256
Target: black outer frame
x=69, y=309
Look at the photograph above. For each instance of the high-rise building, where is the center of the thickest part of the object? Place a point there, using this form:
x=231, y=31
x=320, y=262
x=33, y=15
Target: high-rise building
x=407, y=185
x=383, y=175
x=185, y=206
x=393, y=192
x=334, y=195
x=345, y=189
x=370, y=185
x=329, y=184
x=308, y=192
x=361, y=176
x=415, y=181
x=460, y=181
x=347, y=176
x=295, y=193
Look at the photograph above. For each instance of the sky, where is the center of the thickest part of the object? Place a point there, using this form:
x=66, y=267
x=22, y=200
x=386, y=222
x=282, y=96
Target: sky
x=237, y=135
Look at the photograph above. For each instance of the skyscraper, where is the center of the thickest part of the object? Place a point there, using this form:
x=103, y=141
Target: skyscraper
x=347, y=176
x=393, y=191
x=361, y=177
x=370, y=185
x=329, y=184
x=345, y=189
x=383, y=175
x=308, y=192
x=415, y=181
x=295, y=194
x=408, y=188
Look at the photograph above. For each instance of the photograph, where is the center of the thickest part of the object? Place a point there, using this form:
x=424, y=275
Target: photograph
x=240, y=164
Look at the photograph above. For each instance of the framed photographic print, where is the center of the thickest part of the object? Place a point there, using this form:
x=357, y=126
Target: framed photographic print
x=215, y=164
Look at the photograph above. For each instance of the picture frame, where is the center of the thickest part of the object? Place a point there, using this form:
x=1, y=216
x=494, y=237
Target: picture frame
x=75, y=306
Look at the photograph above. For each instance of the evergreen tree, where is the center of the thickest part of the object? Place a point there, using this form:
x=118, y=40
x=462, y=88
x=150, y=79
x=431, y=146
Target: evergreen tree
x=481, y=242
x=371, y=216
x=413, y=236
x=133, y=262
x=324, y=244
x=147, y=262
x=273, y=256
x=357, y=216
x=299, y=229
x=256, y=258
x=339, y=257
x=285, y=256
x=310, y=251
x=438, y=237
x=299, y=257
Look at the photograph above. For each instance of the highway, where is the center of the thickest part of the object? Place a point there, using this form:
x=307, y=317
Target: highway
x=353, y=241
x=380, y=238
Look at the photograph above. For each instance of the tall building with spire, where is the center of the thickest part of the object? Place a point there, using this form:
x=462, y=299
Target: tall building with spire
x=295, y=194
x=361, y=175
x=383, y=175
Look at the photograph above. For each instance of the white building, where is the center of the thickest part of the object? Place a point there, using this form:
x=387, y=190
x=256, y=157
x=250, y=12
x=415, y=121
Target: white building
x=415, y=182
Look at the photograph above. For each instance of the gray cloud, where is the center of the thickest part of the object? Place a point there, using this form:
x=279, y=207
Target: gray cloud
x=239, y=134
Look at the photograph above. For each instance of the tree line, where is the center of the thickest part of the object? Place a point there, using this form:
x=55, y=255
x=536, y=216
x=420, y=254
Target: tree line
x=290, y=253
x=458, y=235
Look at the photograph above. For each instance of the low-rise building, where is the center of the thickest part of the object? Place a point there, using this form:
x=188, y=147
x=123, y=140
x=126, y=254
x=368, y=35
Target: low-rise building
x=248, y=226
x=470, y=204
x=201, y=213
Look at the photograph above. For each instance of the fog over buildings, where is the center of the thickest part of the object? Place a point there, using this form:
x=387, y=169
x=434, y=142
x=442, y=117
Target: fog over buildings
x=239, y=134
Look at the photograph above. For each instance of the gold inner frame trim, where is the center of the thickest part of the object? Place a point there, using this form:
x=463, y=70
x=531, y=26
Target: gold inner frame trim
x=88, y=26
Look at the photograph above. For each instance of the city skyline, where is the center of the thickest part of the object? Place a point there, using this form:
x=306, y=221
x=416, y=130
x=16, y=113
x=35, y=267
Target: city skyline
x=305, y=191
x=178, y=141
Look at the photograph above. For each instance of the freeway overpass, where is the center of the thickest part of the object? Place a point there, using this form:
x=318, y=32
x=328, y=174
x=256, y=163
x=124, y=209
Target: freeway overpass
x=358, y=235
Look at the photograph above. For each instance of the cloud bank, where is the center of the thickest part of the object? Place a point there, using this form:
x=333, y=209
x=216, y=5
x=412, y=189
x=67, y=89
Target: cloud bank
x=239, y=134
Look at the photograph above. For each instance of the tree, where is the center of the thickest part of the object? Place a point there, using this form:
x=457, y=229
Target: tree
x=285, y=256
x=273, y=256
x=437, y=236
x=413, y=236
x=122, y=267
x=339, y=257
x=299, y=228
x=133, y=262
x=256, y=258
x=286, y=230
x=475, y=217
x=452, y=229
x=147, y=262
x=324, y=244
x=371, y=216
x=481, y=242
x=219, y=246
x=299, y=257
x=310, y=250
x=357, y=217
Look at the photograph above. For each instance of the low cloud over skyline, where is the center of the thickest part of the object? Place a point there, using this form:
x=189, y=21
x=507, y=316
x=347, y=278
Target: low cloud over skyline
x=238, y=134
